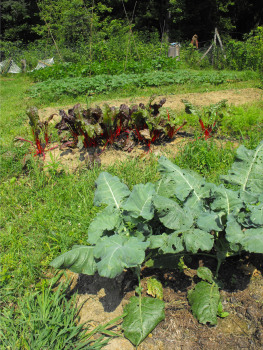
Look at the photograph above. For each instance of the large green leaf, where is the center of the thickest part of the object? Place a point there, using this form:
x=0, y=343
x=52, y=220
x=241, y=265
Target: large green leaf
x=110, y=190
x=196, y=240
x=186, y=181
x=106, y=220
x=171, y=243
x=247, y=170
x=225, y=199
x=118, y=252
x=209, y=221
x=171, y=214
x=205, y=274
x=256, y=215
x=139, y=203
x=80, y=260
x=250, y=239
x=165, y=187
x=204, y=300
x=143, y=315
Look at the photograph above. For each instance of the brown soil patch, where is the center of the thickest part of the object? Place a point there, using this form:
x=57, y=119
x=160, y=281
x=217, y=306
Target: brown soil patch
x=233, y=97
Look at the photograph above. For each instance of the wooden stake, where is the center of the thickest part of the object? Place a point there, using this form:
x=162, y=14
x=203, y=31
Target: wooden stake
x=220, y=42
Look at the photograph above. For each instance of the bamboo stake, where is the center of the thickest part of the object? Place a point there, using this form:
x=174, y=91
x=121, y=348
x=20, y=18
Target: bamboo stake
x=49, y=31
x=220, y=42
x=131, y=32
x=210, y=47
x=91, y=35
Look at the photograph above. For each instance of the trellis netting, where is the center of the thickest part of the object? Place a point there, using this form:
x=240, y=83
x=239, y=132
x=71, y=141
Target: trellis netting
x=44, y=63
x=9, y=66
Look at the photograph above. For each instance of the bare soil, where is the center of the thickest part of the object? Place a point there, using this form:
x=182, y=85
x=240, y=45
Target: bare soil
x=242, y=277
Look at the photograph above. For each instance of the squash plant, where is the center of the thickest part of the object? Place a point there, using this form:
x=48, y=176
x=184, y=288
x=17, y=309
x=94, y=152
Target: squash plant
x=178, y=215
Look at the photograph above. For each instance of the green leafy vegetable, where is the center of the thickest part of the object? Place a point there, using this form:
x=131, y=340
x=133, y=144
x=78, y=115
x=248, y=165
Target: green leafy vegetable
x=143, y=315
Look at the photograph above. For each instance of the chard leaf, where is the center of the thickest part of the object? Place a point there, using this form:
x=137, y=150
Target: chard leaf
x=80, y=260
x=172, y=215
x=139, y=203
x=171, y=243
x=247, y=170
x=204, y=300
x=106, y=220
x=249, y=239
x=198, y=240
x=110, y=190
x=186, y=181
x=227, y=200
x=118, y=252
x=142, y=316
x=209, y=221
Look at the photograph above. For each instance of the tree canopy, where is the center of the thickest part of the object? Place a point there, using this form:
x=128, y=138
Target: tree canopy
x=71, y=21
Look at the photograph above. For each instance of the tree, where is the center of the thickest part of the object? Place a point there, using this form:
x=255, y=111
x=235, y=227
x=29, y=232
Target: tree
x=17, y=19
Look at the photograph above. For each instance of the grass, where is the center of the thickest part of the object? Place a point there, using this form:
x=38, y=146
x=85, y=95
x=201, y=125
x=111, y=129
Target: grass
x=47, y=319
x=43, y=216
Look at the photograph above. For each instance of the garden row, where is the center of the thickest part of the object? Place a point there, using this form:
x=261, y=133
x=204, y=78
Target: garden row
x=122, y=127
x=56, y=89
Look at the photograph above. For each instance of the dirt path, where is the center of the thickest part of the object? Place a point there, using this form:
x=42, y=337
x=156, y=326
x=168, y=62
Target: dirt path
x=233, y=97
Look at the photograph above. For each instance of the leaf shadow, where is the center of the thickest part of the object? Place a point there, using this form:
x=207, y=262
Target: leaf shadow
x=109, y=290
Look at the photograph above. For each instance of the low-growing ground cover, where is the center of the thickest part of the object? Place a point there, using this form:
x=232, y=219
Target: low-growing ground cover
x=45, y=214
x=73, y=87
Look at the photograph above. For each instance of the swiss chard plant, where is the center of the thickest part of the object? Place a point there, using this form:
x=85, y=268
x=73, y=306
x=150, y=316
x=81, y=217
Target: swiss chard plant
x=181, y=214
x=209, y=117
x=40, y=132
x=121, y=126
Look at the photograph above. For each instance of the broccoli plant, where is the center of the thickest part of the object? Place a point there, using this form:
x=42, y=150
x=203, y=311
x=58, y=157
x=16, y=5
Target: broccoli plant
x=181, y=214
